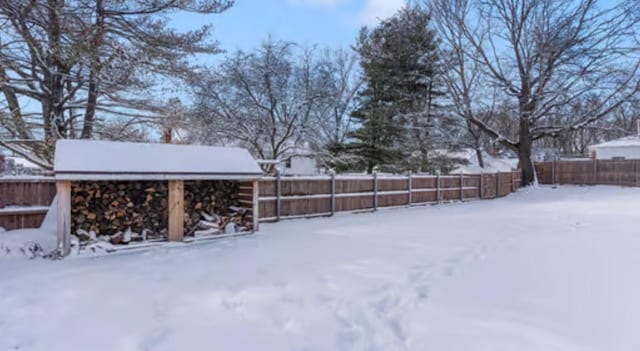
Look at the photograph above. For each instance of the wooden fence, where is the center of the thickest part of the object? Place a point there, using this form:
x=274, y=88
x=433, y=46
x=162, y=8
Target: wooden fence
x=291, y=197
x=24, y=201
x=590, y=172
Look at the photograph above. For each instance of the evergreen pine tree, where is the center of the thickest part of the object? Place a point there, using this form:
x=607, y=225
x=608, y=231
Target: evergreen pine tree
x=400, y=63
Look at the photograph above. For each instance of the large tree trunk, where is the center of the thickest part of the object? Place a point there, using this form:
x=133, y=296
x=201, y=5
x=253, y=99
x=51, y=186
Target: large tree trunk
x=479, y=157
x=524, y=154
x=92, y=94
x=370, y=166
x=13, y=105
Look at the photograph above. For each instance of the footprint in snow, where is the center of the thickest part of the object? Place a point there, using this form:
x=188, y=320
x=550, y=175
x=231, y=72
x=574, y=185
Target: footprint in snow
x=419, y=278
x=285, y=324
x=154, y=338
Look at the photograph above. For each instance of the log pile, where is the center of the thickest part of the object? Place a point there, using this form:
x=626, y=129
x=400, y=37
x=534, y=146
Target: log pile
x=124, y=212
x=109, y=208
x=212, y=207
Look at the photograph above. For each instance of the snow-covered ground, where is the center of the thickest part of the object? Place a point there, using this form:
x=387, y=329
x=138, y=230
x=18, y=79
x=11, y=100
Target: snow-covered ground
x=543, y=269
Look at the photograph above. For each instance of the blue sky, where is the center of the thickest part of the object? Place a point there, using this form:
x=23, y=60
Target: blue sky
x=328, y=23
x=332, y=23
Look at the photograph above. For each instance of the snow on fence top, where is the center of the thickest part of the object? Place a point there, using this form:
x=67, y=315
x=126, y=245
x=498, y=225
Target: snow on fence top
x=108, y=160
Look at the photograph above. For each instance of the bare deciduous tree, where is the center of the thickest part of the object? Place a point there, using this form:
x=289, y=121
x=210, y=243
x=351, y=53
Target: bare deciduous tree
x=338, y=83
x=543, y=56
x=66, y=65
x=261, y=100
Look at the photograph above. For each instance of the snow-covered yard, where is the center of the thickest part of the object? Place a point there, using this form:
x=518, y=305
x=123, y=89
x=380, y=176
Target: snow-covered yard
x=544, y=269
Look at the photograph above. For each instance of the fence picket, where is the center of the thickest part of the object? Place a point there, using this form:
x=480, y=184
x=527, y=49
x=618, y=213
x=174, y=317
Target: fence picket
x=278, y=196
x=409, y=189
x=375, y=191
x=333, y=193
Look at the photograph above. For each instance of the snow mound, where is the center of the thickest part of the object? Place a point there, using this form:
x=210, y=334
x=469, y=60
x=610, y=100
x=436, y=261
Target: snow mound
x=31, y=243
x=492, y=164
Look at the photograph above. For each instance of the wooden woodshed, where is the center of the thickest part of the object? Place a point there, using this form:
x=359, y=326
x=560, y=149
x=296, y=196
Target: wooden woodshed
x=101, y=164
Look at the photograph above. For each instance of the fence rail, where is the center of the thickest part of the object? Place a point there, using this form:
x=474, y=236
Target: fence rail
x=24, y=201
x=590, y=172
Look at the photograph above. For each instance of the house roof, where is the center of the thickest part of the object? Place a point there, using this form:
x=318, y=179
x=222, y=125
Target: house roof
x=633, y=140
x=105, y=160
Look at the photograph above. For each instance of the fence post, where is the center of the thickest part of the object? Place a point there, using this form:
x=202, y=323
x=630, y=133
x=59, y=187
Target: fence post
x=635, y=171
x=497, y=184
x=513, y=182
x=461, y=187
x=375, y=191
x=595, y=172
x=410, y=189
x=481, y=185
x=278, y=195
x=333, y=193
x=553, y=172
x=438, y=188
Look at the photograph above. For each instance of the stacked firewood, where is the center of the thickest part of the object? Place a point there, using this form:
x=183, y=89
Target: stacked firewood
x=122, y=212
x=212, y=207
x=109, y=208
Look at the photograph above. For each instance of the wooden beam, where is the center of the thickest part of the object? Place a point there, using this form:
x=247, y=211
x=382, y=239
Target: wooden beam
x=63, y=188
x=256, y=205
x=176, y=210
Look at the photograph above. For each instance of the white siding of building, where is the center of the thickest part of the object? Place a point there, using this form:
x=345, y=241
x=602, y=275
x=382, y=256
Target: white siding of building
x=299, y=165
x=626, y=152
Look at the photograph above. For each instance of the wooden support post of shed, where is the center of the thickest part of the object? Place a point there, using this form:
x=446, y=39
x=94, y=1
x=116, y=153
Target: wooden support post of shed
x=256, y=205
x=64, y=216
x=176, y=210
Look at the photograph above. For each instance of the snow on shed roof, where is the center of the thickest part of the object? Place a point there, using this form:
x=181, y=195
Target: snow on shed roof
x=93, y=160
x=633, y=140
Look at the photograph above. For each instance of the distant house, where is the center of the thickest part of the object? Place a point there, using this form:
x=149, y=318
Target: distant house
x=298, y=164
x=618, y=149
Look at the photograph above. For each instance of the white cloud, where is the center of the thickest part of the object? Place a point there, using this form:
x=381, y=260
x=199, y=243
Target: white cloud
x=323, y=3
x=375, y=10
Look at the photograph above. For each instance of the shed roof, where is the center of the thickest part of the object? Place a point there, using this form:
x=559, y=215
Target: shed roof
x=633, y=140
x=105, y=160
